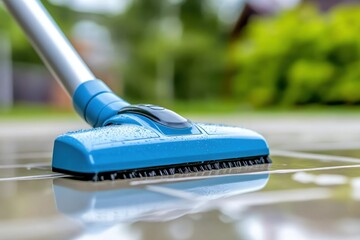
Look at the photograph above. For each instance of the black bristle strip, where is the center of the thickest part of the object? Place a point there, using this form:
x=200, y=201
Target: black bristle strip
x=185, y=168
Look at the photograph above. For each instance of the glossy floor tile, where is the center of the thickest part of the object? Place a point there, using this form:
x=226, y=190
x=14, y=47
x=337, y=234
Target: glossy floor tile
x=308, y=192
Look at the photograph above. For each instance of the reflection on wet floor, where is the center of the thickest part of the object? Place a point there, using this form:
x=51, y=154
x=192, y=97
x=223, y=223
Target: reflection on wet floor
x=353, y=153
x=310, y=191
x=256, y=204
x=102, y=203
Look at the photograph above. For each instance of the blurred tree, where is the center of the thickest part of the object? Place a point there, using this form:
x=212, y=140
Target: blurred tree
x=300, y=57
x=175, y=49
x=166, y=50
x=27, y=64
x=22, y=51
x=172, y=49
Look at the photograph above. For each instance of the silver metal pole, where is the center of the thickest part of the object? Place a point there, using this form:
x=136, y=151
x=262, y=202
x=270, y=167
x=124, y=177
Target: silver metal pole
x=51, y=44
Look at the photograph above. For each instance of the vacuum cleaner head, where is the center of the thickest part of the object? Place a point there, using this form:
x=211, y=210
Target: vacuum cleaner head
x=147, y=141
x=128, y=140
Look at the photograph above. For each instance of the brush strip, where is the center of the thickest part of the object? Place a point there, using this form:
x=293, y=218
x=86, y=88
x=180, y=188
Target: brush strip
x=167, y=170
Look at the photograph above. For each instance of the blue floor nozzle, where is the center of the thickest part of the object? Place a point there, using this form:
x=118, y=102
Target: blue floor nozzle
x=146, y=140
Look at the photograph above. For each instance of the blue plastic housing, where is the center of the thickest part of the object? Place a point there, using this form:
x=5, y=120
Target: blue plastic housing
x=129, y=141
x=132, y=146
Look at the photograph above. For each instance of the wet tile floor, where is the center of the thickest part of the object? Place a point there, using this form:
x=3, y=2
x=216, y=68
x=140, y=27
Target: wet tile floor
x=311, y=191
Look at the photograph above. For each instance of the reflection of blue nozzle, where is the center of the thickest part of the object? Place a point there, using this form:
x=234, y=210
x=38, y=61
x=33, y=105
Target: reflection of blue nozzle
x=112, y=204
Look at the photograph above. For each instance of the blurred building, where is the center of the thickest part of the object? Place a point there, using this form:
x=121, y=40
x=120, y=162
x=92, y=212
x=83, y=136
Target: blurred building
x=32, y=83
x=6, y=85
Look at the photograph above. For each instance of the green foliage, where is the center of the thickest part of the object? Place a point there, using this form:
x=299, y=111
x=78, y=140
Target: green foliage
x=157, y=42
x=296, y=57
x=22, y=51
x=300, y=57
x=179, y=39
x=21, y=48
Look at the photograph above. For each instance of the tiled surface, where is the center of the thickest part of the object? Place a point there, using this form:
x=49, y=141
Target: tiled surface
x=311, y=191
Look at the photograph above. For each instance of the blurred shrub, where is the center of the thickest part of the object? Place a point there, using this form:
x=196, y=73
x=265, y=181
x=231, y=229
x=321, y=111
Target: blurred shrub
x=158, y=43
x=170, y=42
x=299, y=57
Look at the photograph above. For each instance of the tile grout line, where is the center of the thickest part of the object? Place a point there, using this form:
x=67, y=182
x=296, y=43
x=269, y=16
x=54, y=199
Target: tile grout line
x=172, y=192
x=279, y=171
x=176, y=193
x=353, y=145
x=26, y=165
x=34, y=177
x=314, y=156
x=283, y=153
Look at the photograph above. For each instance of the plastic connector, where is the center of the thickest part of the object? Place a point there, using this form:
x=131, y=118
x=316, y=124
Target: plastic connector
x=96, y=103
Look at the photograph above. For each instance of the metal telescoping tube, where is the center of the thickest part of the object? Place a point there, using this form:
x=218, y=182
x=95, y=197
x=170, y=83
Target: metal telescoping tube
x=50, y=43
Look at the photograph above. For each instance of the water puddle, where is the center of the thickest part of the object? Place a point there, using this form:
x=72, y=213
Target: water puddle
x=349, y=153
x=231, y=196
x=311, y=190
x=320, y=179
